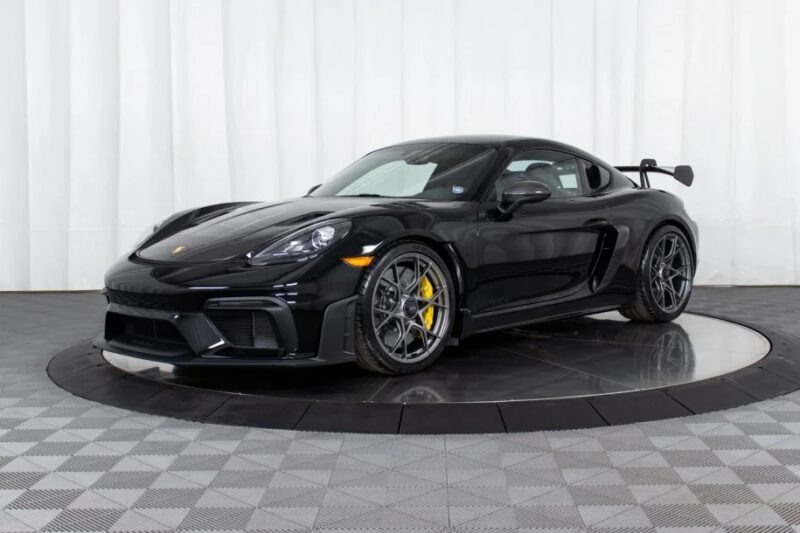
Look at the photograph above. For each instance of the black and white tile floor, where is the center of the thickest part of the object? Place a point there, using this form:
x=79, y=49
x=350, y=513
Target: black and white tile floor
x=67, y=464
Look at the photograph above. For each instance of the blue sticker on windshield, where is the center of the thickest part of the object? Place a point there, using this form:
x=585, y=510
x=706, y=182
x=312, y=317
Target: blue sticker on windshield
x=458, y=189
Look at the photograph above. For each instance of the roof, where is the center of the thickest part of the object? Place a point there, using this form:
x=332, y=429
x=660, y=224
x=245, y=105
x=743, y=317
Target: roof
x=500, y=141
x=488, y=140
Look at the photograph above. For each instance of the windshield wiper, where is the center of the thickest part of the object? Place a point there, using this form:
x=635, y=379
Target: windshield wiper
x=365, y=195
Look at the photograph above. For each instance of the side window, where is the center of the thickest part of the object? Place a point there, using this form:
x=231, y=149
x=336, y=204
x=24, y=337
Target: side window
x=557, y=170
x=597, y=177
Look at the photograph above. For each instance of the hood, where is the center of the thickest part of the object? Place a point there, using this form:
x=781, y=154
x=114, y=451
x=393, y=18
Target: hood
x=249, y=228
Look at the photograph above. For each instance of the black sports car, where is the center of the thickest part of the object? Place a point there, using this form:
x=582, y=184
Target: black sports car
x=411, y=248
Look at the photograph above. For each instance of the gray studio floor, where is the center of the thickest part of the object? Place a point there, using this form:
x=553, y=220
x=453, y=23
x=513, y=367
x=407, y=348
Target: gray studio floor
x=67, y=464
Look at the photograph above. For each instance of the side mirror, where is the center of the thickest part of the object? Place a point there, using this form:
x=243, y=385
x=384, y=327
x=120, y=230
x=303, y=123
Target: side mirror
x=521, y=193
x=314, y=188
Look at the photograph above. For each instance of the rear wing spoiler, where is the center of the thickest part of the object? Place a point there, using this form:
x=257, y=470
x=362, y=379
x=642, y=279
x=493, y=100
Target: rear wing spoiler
x=683, y=173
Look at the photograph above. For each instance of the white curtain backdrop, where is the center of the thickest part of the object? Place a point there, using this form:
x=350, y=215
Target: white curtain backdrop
x=113, y=114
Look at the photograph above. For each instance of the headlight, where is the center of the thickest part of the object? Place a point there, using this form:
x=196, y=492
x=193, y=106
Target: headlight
x=302, y=244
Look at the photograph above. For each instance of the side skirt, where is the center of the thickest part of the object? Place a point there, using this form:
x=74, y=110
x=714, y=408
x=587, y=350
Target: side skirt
x=492, y=321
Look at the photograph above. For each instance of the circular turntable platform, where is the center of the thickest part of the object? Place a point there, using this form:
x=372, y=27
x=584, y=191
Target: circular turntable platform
x=575, y=373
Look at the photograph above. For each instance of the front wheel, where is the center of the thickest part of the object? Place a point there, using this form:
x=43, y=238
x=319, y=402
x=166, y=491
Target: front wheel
x=665, y=278
x=406, y=309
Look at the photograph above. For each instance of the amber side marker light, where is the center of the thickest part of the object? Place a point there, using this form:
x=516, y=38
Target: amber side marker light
x=361, y=261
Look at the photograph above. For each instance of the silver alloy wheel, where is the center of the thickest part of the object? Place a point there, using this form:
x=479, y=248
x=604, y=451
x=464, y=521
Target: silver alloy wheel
x=408, y=324
x=670, y=272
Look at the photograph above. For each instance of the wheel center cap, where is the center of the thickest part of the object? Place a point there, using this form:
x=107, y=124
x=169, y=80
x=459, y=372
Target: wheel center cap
x=410, y=307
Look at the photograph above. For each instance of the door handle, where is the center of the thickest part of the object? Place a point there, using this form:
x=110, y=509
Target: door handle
x=596, y=222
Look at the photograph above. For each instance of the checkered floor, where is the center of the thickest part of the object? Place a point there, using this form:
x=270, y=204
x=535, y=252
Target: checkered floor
x=67, y=464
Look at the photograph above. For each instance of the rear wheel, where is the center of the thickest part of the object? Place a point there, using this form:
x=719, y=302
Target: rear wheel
x=406, y=309
x=665, y=278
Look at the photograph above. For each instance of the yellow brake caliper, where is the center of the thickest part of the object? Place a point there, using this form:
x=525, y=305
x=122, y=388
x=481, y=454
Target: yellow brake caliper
x=426, y=291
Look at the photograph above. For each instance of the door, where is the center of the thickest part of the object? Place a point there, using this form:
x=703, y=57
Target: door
x=544, y=253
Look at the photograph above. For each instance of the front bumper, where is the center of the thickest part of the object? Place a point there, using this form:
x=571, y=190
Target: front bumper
x=228, y=331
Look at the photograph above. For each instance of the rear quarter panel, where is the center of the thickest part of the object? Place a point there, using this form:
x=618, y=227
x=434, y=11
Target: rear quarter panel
x=642, y=211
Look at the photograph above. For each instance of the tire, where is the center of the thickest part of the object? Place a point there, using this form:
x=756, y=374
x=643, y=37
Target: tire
x=663, y=288
x=405, y=310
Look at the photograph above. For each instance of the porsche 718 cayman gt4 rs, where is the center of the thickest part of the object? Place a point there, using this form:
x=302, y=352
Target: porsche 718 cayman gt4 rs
x=410, y=249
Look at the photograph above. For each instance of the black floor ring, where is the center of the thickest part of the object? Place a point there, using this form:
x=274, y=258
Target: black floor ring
x=573, y=374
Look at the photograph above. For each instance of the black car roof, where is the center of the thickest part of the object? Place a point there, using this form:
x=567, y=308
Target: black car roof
x=487, y=140
x=501, y=141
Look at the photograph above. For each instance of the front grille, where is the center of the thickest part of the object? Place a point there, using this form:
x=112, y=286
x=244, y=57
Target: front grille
x=246, y=329
x=156, y=301
x=142, y=328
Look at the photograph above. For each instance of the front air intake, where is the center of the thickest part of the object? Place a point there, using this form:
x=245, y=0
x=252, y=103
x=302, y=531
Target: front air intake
x=245, y=328
x=142, y=328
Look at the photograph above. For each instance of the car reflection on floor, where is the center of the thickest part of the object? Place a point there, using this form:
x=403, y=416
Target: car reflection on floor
x=577, y=357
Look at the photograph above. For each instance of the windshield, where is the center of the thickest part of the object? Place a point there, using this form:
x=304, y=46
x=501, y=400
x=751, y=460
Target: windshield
x=435, y=171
